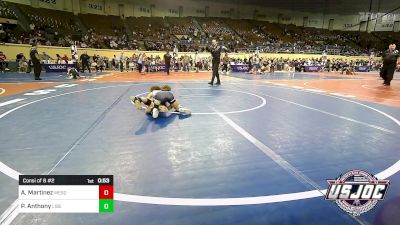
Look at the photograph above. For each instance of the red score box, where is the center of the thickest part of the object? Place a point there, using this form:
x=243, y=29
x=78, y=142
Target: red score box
x=106, y=192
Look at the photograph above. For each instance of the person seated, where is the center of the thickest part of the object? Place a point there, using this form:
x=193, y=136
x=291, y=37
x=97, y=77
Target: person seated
x=3, y=62
x=100, y=65
x=23, y=65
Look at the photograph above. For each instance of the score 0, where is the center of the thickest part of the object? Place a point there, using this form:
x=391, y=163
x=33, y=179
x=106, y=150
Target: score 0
x=106, y=198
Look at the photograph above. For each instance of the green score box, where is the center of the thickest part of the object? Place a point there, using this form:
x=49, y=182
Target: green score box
x=106, y=205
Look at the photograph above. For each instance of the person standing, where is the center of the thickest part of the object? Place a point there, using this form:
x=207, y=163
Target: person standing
x=225, y=62
x=85, y=62
x=390, y=60
x=140, y=63
x=186, y=63
x=121, y=61
x=215, y=50
x=74, y=54
x=114, y=62
x=34, y=55
x=196, y=61
x=127, y=61
x=45, y=57
x=167, y=61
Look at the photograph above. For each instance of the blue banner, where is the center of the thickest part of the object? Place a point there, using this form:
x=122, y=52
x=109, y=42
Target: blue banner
x=362, y=68
x=159, y=67
x=240, y=68
x=312, y=68
x=51, y=68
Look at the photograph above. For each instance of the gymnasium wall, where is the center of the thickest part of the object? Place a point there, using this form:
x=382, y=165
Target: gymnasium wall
x=11, y=51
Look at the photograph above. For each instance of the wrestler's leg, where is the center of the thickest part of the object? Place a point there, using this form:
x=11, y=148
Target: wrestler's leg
x=163, y=108
x=150, y=107
x=175, y=105
x=139, y=100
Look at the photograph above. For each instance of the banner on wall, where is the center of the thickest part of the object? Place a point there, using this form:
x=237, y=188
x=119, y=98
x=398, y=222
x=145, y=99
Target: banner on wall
x=362, y=68
x=285, y=18
x=314, y=22
x=384, y=27
x=158, y=67
x=94, y=6
x=312, y=68
x=51, y=4
x=240, y=68
x=51, y=68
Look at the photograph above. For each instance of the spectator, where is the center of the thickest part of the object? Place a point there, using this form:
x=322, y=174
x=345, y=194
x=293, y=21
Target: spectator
x=3, y=62
x=22, y=64
x=65, y=59
x=45, y=57
x=32, y=26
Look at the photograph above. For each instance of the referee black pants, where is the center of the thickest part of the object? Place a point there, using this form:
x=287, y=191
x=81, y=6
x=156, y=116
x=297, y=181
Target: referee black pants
x=215, y=74
x=37, y=68
x=85, y=65
x=387, y=73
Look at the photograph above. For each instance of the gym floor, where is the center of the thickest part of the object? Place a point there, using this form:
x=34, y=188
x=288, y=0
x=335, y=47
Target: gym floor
x=275, y=137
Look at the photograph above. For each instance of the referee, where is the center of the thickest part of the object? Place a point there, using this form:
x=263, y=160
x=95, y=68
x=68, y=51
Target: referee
x=167, y=61
x=390, y=60
x=215, y=50
x=34, y=55
x=85, y=62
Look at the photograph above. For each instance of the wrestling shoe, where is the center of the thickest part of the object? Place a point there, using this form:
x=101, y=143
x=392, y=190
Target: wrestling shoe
x=184, y=111
x=155, y=113
x=137, y=102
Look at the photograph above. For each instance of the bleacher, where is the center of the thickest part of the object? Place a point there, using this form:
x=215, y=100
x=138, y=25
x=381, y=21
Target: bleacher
x=154, y=33
x=215, y=28
x=6, y=12
x=246, y=30
x=49, y=19
x=181, y=26
x=149, y=28
x=105, y=25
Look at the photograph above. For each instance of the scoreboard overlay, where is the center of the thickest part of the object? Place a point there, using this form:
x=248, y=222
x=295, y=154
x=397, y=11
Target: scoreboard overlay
x=66, y=194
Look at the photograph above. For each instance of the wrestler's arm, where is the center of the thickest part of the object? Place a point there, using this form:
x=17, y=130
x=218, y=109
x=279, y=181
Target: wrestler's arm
x=147, y=99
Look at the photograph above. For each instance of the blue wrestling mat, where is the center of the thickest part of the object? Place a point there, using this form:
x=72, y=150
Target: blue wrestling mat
x=250, y=153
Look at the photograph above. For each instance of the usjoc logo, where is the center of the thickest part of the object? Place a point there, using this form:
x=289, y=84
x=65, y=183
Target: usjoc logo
x=356, y=191
x=58, y=67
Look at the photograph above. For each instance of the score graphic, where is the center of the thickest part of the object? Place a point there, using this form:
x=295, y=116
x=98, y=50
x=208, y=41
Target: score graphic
x=106, y=195
x=66, y=194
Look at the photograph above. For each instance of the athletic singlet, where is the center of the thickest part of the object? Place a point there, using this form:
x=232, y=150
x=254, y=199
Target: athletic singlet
x=164, y=97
